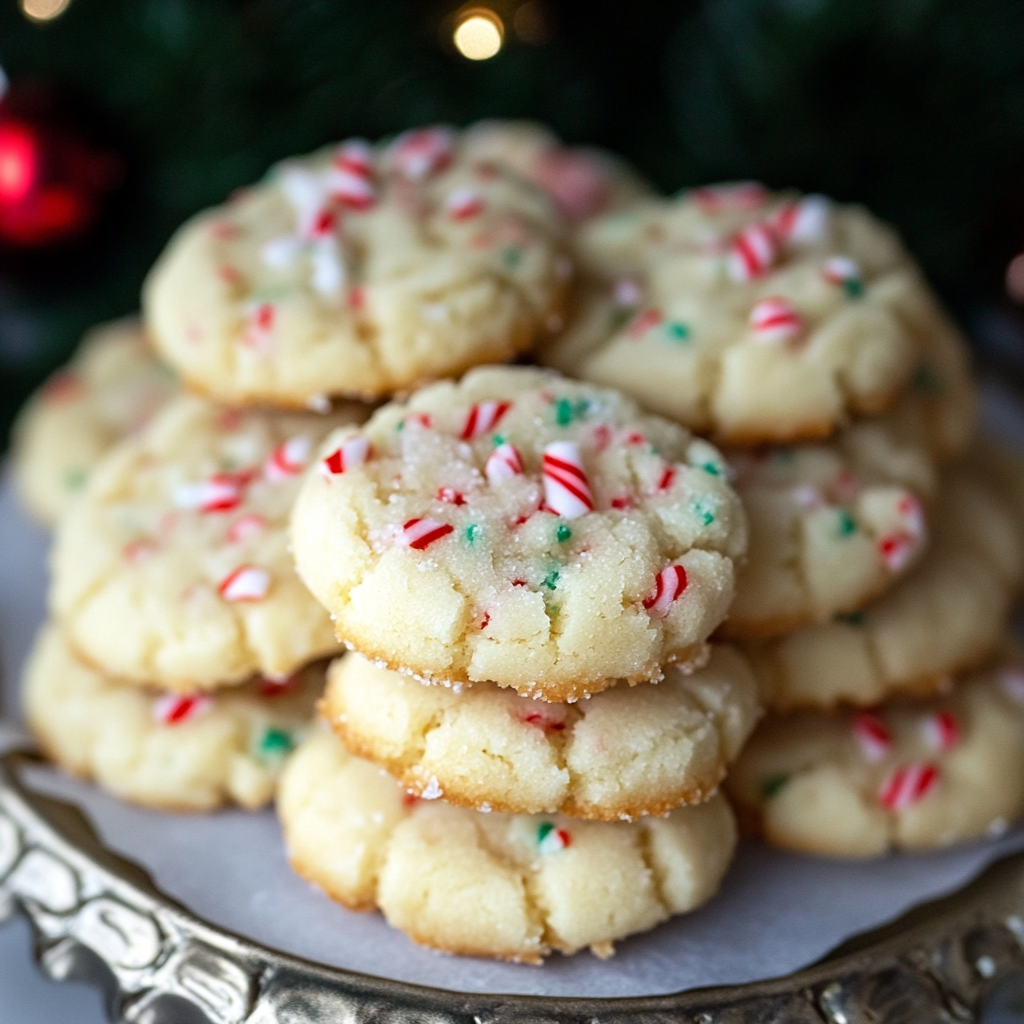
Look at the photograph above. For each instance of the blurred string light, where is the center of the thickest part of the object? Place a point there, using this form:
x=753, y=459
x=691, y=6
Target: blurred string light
x=43, y=10
x=479, y=33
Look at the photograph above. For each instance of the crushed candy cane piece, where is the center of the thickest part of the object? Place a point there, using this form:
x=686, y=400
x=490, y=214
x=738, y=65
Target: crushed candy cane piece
x=941, y=731
x=421, y=152
x=550, y=839
x=752, y=253
x=773, y=320
x=804, y=221
x=566, y=487
x=352, y=453
x=669, y=586
x=483, y=418
x=908, y=785
x=246, y=583
x=503, y=463
x=464, y=204
x=220, y=493
x=420, y=533
x=174, y=709
x=872, y=735
x=288, y=459
x=245, y=528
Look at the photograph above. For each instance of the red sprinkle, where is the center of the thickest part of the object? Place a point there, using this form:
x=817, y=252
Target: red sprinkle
x=450, y=496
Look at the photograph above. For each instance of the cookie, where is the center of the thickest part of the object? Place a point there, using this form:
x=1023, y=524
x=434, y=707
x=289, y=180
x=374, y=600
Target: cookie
x=359, y=271
x=582, y=182
x=182, y=753
x=754, y=316
x=619, y=755
x=829, y=529
x=946, y=616
x=524, y=529
x=911, y=775
x=514, y=887
x=172, y=569
x=111, y=389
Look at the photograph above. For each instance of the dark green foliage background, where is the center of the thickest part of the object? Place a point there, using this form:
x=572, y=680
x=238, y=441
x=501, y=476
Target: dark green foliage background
x=915, y=107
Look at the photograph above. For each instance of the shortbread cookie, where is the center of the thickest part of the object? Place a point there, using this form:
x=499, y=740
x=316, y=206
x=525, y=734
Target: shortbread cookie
x=359, y=271
x=583, y=182
x=521, y=528
x=111, y=389
x=514, y=887
x=946, y=616
x=184, y=753
x=621, y=754
x=827, y=534
x=912, y=775
x=755, y=316
x=173, y=569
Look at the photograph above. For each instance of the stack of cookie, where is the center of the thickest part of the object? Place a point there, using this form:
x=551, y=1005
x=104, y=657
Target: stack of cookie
x=885, y=543
x=531, y=546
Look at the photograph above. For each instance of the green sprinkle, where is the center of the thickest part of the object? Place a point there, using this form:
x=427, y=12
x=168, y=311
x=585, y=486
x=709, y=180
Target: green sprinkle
x=927, y=380
x=276, y=743
x=677, y=331
x=499, y=439
x=854, y=287
x=852, y=618
x=773, y=785
x=846, y=524
x=472, y=532
x=563, y=533
x=544, y=830
x=511, y=257
x=551, y=580
x=563, y=412
x=702, y=509
x=74, y=479
x=713, y=468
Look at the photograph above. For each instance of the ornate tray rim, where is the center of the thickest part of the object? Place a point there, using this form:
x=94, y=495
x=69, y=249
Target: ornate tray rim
x=99, y=918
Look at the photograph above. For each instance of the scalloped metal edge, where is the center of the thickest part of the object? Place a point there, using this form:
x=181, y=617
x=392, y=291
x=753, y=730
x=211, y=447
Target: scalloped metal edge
x=98, y=918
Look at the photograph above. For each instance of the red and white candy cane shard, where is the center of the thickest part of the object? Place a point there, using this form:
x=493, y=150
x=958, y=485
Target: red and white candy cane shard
x=423, y=151
x=801, y=222
x=669, y=586
x=503, y=463
x=897, y=549
x=220, y=493
x=941, y=730
x=352, y=453
x=419, y=534
x=566, y=487
x=841, y=270
x=246, y=528
x=351, y=176
x=172, y=709
x=644, y=322
x=246, y=583
x=288, y=459
x=912, y=515
x=752, y=253
x=483, y=418
x=872, y=735
x=774, y=320
x=740, y=195
x=464, y=204
x=259, y=327
x=908, y=785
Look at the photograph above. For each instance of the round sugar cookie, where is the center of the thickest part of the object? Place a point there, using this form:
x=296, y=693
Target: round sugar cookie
x=524, y=529
x=946, y=616
x=831, y=527
x=359, y=271
x=172, y=568
x=583, y=182
x=750, y=315
x=619, y=755
x=182, y=753
x=509, y=886
x=111, y=388
x=910, y=775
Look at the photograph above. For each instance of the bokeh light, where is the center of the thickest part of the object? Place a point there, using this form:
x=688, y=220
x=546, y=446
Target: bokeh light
x=43, y=10
x=479, y=34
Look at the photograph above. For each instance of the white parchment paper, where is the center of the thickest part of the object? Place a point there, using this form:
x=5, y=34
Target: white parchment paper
x=777, y=912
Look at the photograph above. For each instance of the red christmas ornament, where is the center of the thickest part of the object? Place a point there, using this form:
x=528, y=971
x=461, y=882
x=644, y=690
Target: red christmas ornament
x=54, y=180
